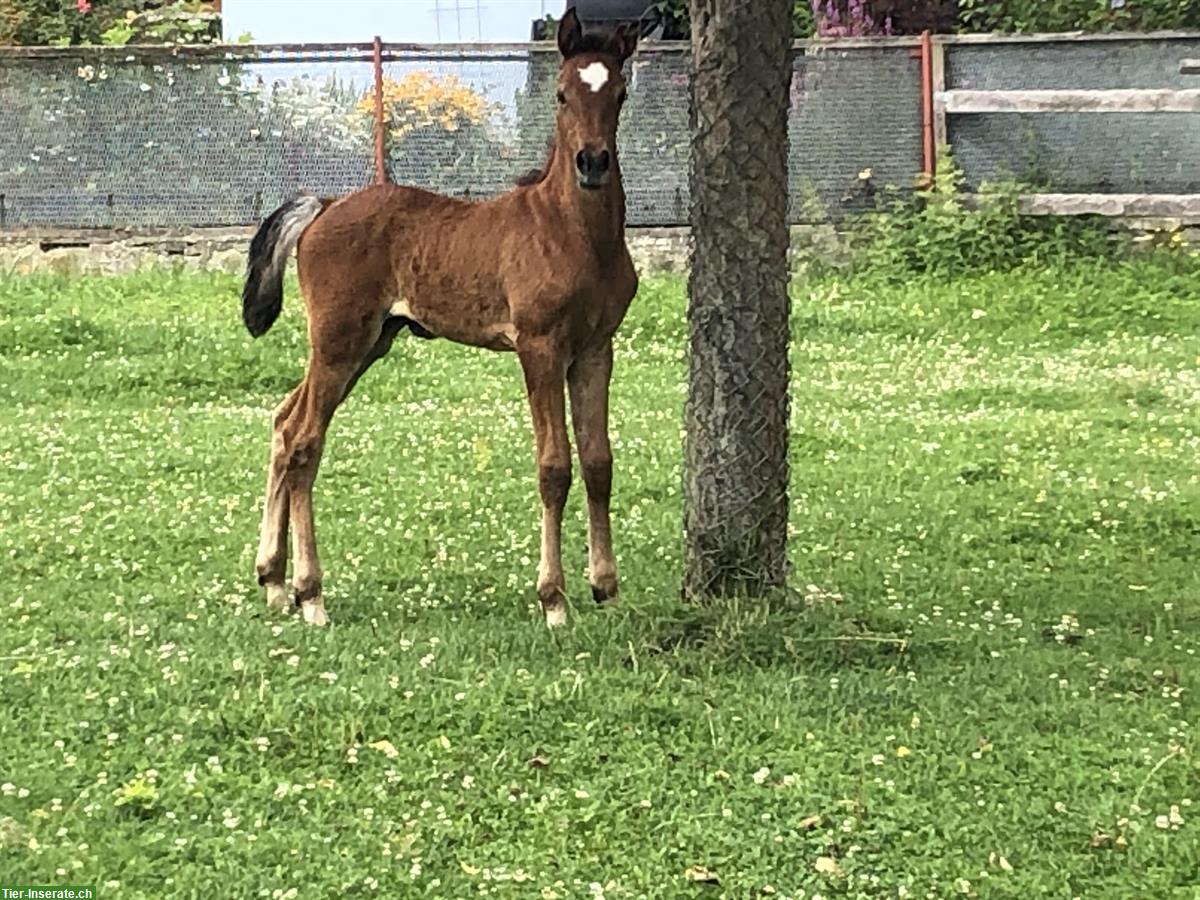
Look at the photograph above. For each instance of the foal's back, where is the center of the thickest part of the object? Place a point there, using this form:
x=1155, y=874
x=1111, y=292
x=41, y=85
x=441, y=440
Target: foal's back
x=444, y=263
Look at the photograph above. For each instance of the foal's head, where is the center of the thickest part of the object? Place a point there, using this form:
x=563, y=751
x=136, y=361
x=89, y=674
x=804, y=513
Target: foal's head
x=591, y=91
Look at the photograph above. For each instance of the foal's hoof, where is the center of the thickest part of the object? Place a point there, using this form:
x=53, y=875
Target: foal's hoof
x=556, y=616
x=604, y=595
x=554, y=604
x=277, y=598
x=314, y=612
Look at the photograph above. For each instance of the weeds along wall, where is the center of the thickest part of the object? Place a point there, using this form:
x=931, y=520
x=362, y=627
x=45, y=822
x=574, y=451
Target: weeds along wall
x=197, y=137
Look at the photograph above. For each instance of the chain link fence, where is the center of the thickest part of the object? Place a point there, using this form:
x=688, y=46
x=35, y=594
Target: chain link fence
x=194, y=137
x=155, y=138
x=152, y=139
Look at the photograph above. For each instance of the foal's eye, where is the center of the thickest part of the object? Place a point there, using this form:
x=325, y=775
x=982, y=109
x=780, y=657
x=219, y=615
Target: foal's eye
x=562, y=98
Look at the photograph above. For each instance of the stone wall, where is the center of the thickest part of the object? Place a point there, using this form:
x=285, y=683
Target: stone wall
x=112, y=252
x=224, y=249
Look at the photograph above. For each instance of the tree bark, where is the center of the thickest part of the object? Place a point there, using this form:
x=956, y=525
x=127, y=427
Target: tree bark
x=737, y=408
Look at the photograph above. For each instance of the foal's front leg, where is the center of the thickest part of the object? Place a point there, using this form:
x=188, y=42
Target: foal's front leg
x=544, y=366
x=588, y=379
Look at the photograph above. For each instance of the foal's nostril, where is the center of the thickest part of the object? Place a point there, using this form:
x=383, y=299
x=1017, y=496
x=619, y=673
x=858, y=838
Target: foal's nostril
x=603, y=161
x=583, y=163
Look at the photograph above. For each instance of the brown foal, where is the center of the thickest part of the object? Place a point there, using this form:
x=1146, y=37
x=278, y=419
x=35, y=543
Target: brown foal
x=542, y=270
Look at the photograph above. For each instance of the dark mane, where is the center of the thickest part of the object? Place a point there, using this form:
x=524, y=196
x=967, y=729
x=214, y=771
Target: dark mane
x=530, y=178
x=537, y=176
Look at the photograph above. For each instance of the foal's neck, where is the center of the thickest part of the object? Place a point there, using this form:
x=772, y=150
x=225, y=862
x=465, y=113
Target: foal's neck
x=600, y=214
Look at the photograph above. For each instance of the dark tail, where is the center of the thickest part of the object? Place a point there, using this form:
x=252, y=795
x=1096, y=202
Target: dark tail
x=262, y=295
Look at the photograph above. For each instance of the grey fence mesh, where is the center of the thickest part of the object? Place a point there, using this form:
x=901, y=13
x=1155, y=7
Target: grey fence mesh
x=1077, y=152
x=155, y=138
x=853, y=110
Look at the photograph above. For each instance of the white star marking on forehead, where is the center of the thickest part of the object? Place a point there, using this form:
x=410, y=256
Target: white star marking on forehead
x=594, y=76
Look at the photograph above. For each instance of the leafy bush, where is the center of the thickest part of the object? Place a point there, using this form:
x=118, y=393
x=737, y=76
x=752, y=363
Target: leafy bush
x=420, y=100
x=329, y=110
x=438, y=126
x=835, y=18
x=177, y=23
x=852, y=18
x=66, y=22
x=675, y=15
x=1077, y=15
x=941, y=230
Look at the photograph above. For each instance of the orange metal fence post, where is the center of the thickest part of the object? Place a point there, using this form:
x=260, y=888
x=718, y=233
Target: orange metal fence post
x=929, y=146
x=380, y=155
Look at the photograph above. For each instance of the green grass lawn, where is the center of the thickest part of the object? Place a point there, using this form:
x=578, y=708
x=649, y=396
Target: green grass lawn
x=984, y=682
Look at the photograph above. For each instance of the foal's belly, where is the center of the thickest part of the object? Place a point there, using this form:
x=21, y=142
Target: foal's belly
x=487, y=326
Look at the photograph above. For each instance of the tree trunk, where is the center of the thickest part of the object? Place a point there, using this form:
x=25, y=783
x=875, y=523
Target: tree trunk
x=737, y=409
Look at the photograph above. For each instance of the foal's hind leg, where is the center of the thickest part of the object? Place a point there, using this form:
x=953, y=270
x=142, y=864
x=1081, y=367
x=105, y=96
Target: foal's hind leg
x=330, y=379
x=323, y=389
x=298, y=420
x=271, y=562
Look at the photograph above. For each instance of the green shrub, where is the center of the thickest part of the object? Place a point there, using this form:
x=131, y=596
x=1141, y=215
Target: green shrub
x=942, y=230
x=66, y=22
x=676, y=16
x=997, y=15
x=1077, y=15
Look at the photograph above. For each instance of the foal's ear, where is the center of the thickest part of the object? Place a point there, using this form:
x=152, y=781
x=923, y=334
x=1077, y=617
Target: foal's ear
x=570, y=34
x=624, y=41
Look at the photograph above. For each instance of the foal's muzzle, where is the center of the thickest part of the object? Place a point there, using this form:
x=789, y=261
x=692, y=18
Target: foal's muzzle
x=593, y=168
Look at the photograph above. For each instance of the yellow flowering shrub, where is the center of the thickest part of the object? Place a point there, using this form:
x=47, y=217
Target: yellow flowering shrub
x=419, y=100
